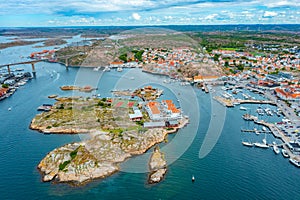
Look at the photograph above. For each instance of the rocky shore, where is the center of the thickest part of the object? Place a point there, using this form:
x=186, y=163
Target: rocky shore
x=157, y=166
x=98, y=157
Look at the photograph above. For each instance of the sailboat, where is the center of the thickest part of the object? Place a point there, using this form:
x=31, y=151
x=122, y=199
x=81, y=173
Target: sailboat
x=263, y=144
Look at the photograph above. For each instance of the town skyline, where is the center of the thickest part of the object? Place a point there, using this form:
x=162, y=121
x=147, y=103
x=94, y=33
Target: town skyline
x=28, y=13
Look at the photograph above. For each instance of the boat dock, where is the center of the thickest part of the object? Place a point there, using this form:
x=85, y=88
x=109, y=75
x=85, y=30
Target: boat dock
x=223, y=101
x=277, y=133
x=230, y=102
x=205, y=88
x=255, y=131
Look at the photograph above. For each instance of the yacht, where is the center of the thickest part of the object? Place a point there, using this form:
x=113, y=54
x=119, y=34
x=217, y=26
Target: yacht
x=260, y=111
x=248, y=144
x=193, y=178
x=119, y=69
x=243, y=108
x=106, y=69
x=284, y=153
x=96, y=69
x=276, y=149
x=261, y=145
x=264, y=128
x=295, y=162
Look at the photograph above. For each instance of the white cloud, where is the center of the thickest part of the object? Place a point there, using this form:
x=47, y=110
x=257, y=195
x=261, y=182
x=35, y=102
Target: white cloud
x=136, y=16
x=270, y=14
x=210, y=17
x=281, y=3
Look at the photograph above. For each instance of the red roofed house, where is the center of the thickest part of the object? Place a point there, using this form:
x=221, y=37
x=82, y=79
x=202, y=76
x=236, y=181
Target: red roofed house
x=289, y=93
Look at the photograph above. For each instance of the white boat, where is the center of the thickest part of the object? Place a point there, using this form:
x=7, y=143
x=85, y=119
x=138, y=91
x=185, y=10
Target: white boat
x=264, y=128
x=256, y=131
x=96, y=69
x=276, y=149
x=295, y=162
x=248, y=144
x=261, y=145
x=264, y=141
x=284, y=153
x=193, y=178
x=260, y=111
x=19, y=69
x=119, y=69
x=243, y=108
x=106, y=69
x=9, y=109
x=21, y=83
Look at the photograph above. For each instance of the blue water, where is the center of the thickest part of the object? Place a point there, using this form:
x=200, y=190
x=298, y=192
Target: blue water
x=229, y=171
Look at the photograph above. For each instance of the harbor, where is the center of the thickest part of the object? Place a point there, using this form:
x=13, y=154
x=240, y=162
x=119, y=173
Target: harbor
x=287, y=141
x=24, y=147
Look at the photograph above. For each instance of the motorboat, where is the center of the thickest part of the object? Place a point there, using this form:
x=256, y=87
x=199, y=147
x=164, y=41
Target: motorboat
x=295, y=162
x=248, y=144
x=261, y=145
x=243, y=108
x=284, y=153
x=276, y=149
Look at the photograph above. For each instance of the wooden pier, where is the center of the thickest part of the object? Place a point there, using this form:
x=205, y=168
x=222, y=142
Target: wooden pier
x=255, y=131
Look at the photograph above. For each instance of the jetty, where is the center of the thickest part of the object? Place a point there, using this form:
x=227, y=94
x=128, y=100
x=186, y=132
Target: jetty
x=230, y=102
x=255, y=131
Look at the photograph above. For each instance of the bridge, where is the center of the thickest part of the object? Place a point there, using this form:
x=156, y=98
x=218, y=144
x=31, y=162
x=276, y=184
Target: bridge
x=32, y=62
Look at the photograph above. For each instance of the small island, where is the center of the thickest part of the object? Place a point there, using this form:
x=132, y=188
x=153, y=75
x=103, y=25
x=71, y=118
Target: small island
x=81, y=89
x=119, y=129
x=158, y=166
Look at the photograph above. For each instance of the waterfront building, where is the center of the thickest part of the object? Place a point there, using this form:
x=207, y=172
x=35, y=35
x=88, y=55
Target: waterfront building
x=289, y=93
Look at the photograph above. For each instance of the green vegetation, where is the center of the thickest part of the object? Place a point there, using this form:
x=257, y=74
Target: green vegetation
x=5, y=85
x=123, y=57
x=138, y=55
x=73, y=154
x=63, y=165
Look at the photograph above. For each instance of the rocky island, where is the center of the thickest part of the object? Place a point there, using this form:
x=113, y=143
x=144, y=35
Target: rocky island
x=158, y=166
x=116, y=133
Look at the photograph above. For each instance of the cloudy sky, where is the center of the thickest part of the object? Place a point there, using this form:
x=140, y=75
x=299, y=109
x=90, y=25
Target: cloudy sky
x=147, y=12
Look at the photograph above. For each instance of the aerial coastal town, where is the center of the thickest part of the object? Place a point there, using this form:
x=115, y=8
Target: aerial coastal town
x=263, y=74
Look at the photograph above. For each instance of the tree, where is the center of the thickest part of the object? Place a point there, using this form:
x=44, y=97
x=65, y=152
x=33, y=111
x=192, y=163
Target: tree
x=123, y=57
x=216, y=57
x=5, y=85
x=226, y=63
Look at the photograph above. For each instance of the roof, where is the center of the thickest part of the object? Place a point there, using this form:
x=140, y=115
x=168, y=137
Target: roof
x=154, y=124
x=116, y=63
x=154, y=107
x=173, y=122
x=171, y=106
x=137, y=114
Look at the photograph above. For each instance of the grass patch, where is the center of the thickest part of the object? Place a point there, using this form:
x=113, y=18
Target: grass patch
x=64, y=164
x=73, y=154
